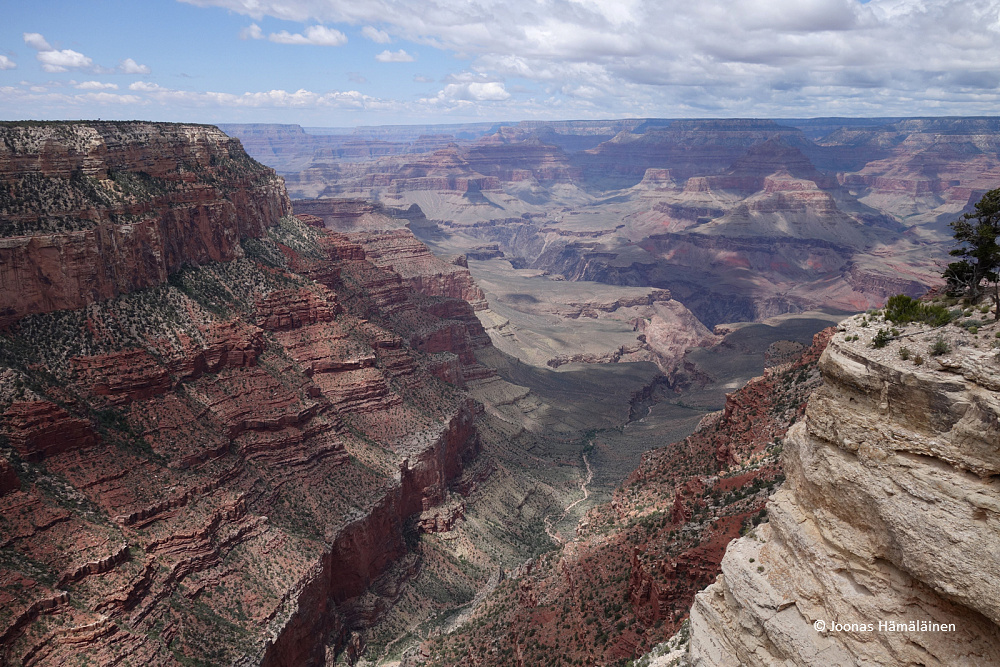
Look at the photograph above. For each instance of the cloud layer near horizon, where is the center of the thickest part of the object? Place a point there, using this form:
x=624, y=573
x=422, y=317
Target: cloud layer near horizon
x=420, y=61
x=712, y=56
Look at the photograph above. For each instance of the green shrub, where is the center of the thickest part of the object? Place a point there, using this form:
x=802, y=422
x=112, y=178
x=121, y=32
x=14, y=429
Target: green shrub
x=882, y=338
x=904, y=353
x=902, y=309
x=940, y=347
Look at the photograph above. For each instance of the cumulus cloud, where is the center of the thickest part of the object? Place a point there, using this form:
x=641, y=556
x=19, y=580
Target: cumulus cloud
x=315, y=34
x=420, y=78
x=146, y=87
x=376, y=35
x=96, y=85
x=63, y=61
x=54, y=60
x=7, y=63
x=36, y=41
x=714, y=56
x=476, y=91
x=400, y=56
x=129, y=66
x=252, y=31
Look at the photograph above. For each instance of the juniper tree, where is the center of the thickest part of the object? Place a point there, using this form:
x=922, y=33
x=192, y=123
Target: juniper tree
x=976, y=237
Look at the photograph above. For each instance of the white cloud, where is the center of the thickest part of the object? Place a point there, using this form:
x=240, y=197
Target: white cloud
x=718, y=57
x=63, y=61
x=423, y=79
x=36, y=41
x=129, y=66
x=400, y=56
x=315, y=34
x=96, y=85
x=53, y=60
x=146, y=87
x=7, y=63
x=476, y=91
x=275, y=99
x=252, y=31
x=111, y=98
x=376, y=35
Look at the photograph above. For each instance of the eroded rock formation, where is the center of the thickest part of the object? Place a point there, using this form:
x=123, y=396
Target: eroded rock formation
x=888, y=516
x=152, y=196
x=217, y=466
x=626, y=580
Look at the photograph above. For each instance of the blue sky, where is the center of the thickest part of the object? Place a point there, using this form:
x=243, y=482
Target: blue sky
x=361, y=62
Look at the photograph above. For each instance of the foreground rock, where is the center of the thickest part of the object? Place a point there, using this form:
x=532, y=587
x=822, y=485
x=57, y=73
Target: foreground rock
x=881, y=546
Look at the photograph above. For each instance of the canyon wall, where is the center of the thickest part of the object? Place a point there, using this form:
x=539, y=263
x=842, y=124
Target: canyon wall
x=881, y=545
x=151, y=196
x=623, y=582
x=210, y=457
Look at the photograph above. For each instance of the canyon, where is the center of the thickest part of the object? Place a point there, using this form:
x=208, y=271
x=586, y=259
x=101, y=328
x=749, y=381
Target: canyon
x=213, y=454
x=488, y=394
x=738, y=219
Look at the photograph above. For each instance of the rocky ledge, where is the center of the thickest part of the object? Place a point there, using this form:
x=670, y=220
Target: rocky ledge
x=881, y=546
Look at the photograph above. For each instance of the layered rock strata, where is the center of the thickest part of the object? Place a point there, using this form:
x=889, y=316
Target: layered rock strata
x=217, y=467
x=880, y=547
x=152, y=196
x=624, y=581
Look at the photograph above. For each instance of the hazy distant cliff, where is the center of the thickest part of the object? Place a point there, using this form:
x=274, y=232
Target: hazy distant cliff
x=890, y=513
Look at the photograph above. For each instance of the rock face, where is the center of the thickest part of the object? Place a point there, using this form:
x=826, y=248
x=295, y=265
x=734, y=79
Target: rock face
x=886, y=529
x=153, y=196
x=219, y=466
x=625, y=581
x=739, y=219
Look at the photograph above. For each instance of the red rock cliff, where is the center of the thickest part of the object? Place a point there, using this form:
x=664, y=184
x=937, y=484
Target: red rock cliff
x=92, y=210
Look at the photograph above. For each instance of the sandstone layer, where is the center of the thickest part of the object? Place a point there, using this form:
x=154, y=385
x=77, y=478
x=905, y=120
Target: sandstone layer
x=152, y=196
x=888, y=516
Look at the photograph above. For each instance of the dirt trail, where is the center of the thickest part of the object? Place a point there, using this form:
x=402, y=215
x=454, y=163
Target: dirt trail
x=549, y=529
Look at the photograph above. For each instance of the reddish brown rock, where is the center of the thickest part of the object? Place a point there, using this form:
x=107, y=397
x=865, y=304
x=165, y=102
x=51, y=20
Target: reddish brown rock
x=626, y=583
x=264, y=450
x=8, y=478
x=441, y=519
x=311, y=220
x=40, y=429
x=290, y=309
x=123, y=376
x=169, y=195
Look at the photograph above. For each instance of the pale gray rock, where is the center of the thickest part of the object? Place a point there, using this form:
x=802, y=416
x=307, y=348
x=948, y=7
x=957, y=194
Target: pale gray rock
x=890, y=513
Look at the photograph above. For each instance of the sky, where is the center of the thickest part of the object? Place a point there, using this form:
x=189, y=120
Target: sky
x=343, y=63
